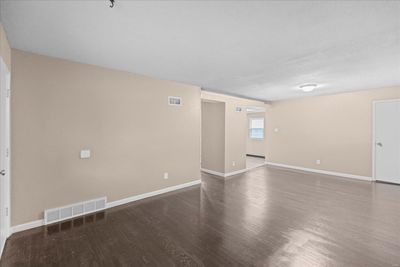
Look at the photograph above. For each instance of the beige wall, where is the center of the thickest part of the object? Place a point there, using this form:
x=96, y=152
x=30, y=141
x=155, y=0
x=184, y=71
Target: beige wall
x=60, y=107
x=337, y=129
x=255, y=146
x=235, y=128
x=5, y=51
x=213, y=136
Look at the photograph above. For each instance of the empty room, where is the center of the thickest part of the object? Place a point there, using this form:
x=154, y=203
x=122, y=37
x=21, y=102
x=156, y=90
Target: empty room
x=199, y=133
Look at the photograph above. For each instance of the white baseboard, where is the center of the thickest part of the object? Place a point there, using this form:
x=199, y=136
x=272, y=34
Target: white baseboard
x=235, y=172
x=38, y=223
x=151, y=194
x=213, y=172
x=346, y=175
x=26, y=226
x=227, y=174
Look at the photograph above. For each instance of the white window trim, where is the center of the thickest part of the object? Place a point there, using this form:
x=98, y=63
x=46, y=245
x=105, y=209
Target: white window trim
x=256, y=118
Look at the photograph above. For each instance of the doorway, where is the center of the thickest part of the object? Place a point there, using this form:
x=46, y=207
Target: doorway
x=4, y=153
x=386, y=141
x=255, y=139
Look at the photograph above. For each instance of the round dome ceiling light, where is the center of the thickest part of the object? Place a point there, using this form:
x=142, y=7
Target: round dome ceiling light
x=308, y=87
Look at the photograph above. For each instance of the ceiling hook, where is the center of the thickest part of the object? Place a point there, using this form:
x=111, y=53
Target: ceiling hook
x=112, y=3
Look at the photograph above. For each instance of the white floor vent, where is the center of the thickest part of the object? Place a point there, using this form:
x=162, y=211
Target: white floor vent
x=74, y=210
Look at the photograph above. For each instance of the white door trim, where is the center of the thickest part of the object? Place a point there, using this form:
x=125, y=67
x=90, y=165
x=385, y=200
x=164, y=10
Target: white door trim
x=7, y=182
x=374, y=102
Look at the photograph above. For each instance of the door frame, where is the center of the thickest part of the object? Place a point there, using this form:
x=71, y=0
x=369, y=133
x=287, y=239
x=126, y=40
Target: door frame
x=374, y=102
x=7, y=180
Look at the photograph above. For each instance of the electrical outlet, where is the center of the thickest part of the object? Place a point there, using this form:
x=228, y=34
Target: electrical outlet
x=318, y=162
x=233, y=163
x=165, y=175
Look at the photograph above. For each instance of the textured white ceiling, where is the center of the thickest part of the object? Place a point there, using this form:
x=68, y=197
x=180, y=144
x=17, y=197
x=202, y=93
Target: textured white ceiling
x=261, y=50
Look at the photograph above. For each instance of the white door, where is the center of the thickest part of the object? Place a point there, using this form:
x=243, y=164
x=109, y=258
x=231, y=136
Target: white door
x=387, y=141
x=4, y=153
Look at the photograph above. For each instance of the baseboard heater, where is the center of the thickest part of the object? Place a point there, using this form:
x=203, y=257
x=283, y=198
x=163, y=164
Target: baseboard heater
x=74, y=210
x=256, y=156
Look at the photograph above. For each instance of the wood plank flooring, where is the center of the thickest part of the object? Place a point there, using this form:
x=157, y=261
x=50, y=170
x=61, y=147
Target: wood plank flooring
x=252, y=162
x=265, y=217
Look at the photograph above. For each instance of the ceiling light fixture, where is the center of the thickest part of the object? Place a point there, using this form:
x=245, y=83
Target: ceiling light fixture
x=309, y=87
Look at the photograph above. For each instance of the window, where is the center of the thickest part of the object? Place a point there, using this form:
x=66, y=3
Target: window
x=256, y=128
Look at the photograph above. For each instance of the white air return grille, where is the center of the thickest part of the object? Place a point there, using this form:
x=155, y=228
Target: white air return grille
x=77, y=209
x=90, y=206
x=66, y=212
x=74, y=210
x=52, y=215
x=175, y=101
x=100, y=204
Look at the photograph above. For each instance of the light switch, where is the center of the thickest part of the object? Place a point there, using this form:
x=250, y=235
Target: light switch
x=85, y=153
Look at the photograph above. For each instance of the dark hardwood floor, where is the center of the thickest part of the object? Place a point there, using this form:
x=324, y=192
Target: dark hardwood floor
x=266, y=217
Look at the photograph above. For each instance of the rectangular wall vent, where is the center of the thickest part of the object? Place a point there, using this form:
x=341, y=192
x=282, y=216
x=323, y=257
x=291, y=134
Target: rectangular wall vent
x=175, y=101
x=74, y=210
